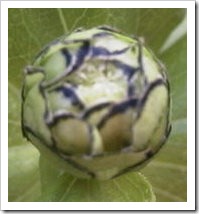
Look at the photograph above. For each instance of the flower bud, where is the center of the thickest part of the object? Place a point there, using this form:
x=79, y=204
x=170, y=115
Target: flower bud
x=98, y=100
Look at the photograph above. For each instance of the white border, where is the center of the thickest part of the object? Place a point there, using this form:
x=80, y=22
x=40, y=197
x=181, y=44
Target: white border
x=97, y=4
x=190, y=204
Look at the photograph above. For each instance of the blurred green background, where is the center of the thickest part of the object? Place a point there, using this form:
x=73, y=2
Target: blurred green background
x=164, y=31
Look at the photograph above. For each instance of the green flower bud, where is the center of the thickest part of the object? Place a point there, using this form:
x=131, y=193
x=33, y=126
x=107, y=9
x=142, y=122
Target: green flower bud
x=98, y=100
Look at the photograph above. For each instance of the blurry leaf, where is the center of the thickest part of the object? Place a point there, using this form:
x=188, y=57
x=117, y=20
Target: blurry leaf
x=14, y=120
x=23, y=173
x=175, y=35
x=60, y=186
x=29, y=31
x=175, y=59
x=167, y=172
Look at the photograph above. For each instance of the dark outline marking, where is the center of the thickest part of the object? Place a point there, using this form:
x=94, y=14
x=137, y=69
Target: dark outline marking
x=94, y=109
x=46, y=48
x=108, y=28
x=102, y=34
x=63, y=156
x=140, y=57
x=77, y=166
x=57, y=117
x=66, y=55
x=79, y=29
x=101, y=51
x=152, y=85
x=69, y=93
x=41, y=139
x=149, y=155
x=130, y=90
x=81, y=55
x=91, y=140
x=29, y=70
x=128, y=70
x=117, y=108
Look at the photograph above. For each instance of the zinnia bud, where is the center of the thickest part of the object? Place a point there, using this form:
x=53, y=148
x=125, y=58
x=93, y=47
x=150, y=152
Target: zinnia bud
x=97, y=99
